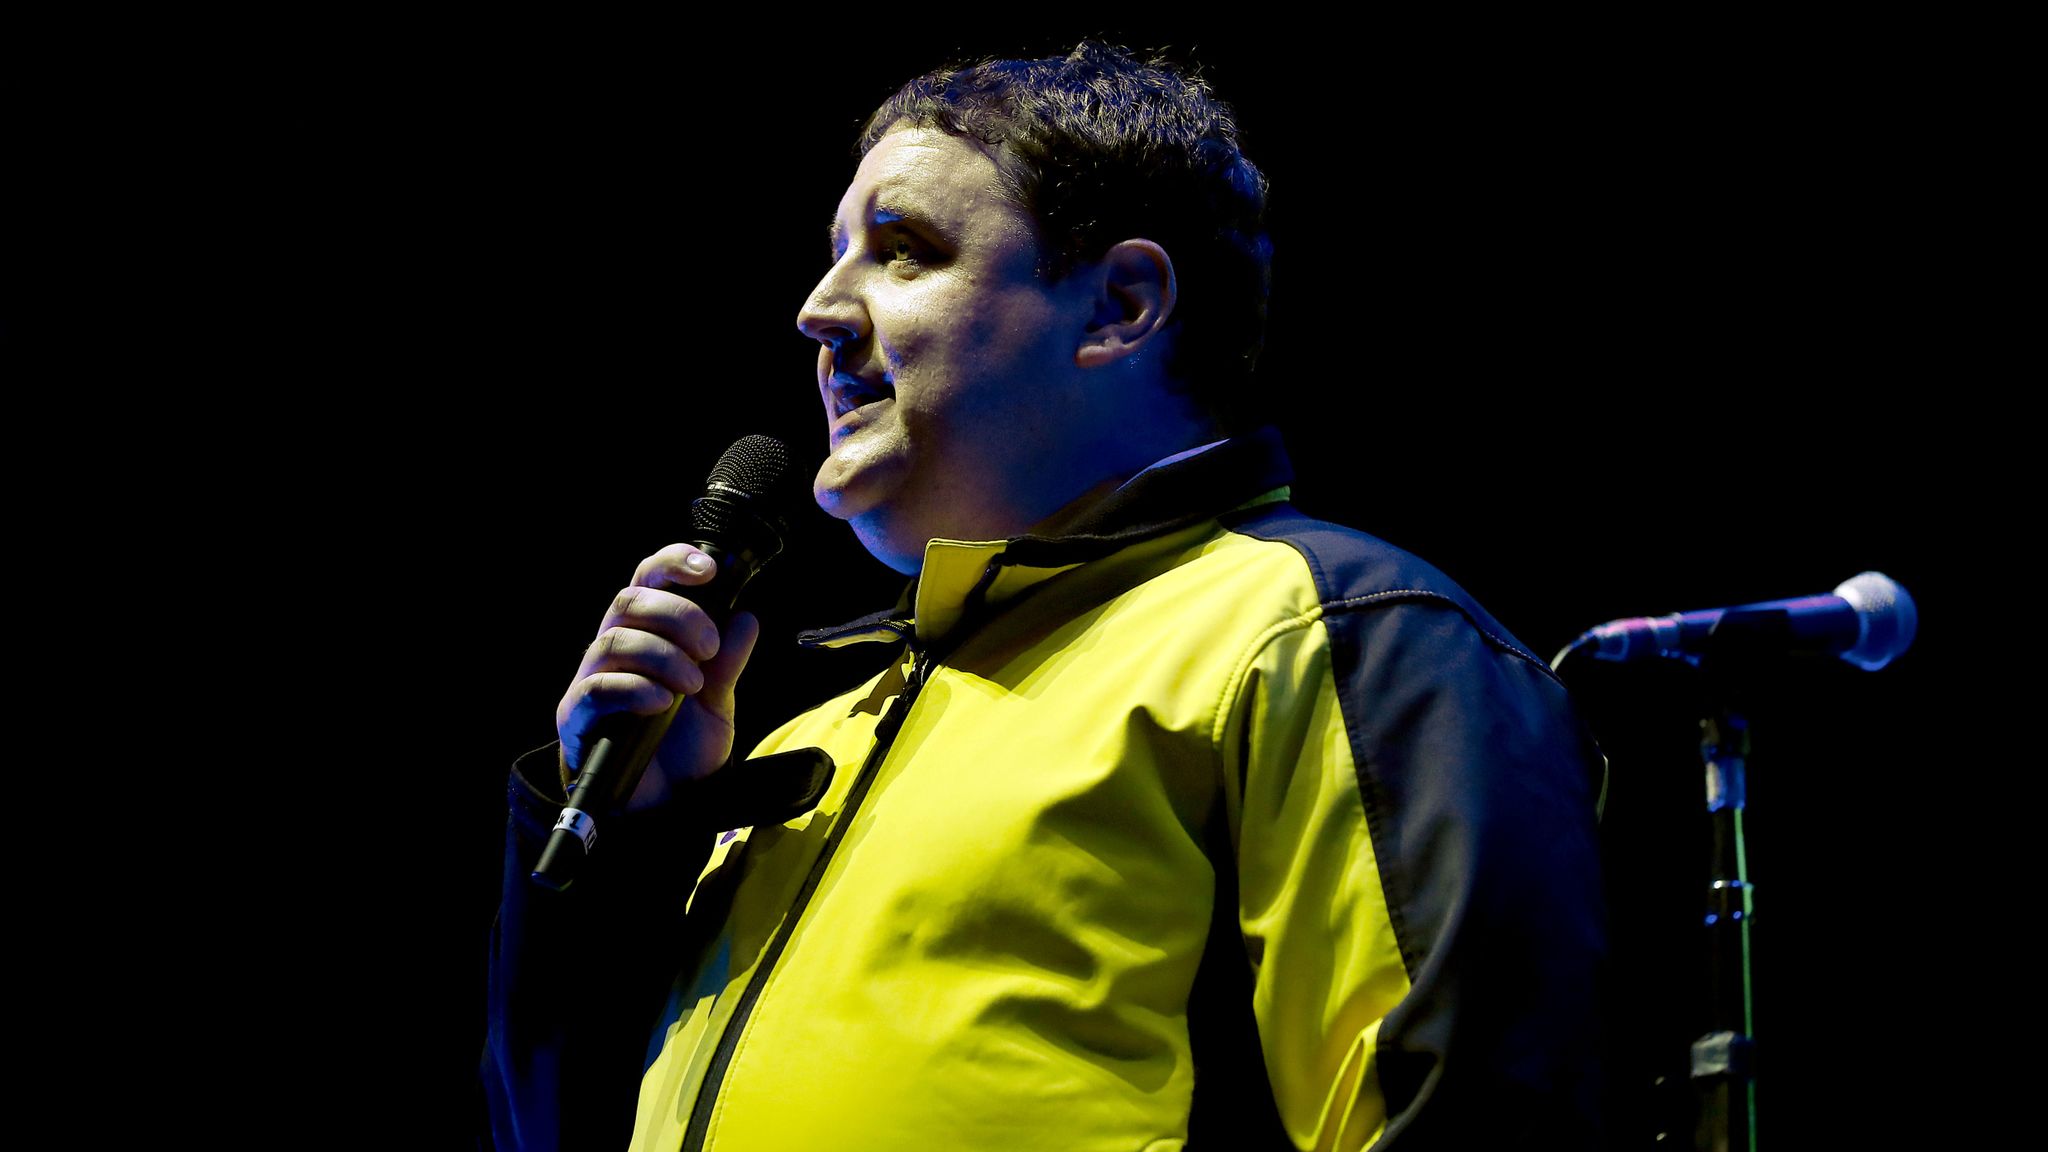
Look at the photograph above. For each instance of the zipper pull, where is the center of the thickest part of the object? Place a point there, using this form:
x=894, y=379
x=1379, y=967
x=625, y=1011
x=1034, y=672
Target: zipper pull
x=899, y=705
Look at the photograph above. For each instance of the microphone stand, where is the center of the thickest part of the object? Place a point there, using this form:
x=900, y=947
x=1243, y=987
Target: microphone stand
x=1723, y=1058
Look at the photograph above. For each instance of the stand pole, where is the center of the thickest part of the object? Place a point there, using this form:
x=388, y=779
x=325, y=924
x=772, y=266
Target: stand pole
x=1743, y=653
x=1722, y=1070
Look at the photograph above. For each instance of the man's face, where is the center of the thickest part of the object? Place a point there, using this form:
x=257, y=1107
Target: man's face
x=946, y=365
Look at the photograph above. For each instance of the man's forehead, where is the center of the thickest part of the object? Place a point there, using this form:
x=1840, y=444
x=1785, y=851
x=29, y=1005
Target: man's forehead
x=922, y=174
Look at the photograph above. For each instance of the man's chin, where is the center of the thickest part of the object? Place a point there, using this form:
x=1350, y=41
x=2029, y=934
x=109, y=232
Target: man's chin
x=842, y=492
x=859, y=474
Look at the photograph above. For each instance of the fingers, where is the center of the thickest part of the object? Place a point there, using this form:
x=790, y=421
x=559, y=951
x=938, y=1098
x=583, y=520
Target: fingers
x=664, y=614
x=645, y=654
x=606, y=693
x=609, y=692
x=648, y=606
x=654, y=645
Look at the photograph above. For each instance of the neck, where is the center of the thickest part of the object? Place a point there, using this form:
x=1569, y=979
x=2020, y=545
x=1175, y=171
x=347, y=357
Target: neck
x=1077, y=507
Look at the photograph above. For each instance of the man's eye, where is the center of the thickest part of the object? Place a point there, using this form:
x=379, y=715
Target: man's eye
x=902, y=248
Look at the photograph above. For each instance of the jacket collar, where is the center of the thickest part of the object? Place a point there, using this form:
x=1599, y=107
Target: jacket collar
x=960, y=575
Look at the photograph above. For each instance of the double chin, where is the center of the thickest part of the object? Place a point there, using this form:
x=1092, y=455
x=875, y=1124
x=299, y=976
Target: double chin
x=861, y=471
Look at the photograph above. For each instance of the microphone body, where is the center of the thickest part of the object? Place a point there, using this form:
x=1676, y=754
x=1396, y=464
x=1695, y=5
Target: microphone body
x=737, y=523
x=1868, y=620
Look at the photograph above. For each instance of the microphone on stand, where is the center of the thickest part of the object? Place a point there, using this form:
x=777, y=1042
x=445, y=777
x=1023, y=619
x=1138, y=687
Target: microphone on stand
x=1867, y=620
x=738, y=522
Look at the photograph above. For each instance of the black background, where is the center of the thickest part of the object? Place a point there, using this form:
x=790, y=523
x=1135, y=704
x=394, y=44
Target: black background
x=1602, y=321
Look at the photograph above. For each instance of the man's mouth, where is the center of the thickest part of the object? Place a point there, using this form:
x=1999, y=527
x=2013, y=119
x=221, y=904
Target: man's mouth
x=850, y=392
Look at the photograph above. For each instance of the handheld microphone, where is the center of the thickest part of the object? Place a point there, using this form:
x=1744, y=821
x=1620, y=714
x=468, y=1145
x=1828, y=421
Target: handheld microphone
x=1868, y=620
x=738, y=522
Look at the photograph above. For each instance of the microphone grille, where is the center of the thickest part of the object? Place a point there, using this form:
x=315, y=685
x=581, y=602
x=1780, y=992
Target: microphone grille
x=1888, y=614
x=754, y=466
x=748, y=495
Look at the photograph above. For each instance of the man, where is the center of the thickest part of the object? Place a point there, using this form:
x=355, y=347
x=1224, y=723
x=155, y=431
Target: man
x=1182, y=819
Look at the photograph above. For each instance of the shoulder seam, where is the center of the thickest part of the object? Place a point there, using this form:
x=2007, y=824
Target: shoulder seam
x=1374, y=599
x=1234, y=683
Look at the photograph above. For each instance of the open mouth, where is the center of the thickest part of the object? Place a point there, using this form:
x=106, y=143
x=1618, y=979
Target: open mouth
x=850, y=392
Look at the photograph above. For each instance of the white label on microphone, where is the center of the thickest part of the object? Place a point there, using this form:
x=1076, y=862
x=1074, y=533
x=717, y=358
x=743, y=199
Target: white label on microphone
x=583, y=826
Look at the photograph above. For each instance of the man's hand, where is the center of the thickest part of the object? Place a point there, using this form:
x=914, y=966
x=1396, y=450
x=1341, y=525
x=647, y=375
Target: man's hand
x=653, y=646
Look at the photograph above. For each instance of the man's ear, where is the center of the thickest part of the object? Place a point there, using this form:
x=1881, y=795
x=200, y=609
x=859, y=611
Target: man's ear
x=1134, y=296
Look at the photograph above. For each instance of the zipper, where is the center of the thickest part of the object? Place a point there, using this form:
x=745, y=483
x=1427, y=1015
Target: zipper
x=885, y=737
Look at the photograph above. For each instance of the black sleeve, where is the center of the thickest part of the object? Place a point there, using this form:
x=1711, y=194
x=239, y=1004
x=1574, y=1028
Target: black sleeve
x=1479, y=781
x=578, y=978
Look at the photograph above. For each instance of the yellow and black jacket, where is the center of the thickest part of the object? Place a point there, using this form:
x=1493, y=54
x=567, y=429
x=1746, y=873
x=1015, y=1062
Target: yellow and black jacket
x=1201, y=824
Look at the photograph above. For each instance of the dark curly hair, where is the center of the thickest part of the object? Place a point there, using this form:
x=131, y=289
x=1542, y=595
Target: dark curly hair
x=1101, y=147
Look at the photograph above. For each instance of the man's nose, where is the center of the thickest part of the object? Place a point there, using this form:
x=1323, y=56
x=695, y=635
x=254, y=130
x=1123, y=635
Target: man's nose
x=832, y=314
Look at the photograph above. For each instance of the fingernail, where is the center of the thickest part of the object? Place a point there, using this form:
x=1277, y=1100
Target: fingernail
x=698, y=562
